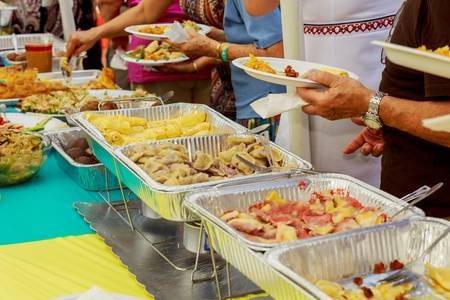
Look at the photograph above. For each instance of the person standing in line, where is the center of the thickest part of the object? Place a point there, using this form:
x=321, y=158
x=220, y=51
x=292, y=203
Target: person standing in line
x=413, y=155
x=242, y=34
x=193, y=87
x=338, y=33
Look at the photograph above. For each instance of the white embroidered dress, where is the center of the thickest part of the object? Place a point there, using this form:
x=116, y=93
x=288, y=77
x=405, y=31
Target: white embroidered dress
x=338, y=33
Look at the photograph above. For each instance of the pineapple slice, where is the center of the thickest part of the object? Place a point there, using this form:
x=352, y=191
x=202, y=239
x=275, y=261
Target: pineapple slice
x=275, y=198
x=285, y=233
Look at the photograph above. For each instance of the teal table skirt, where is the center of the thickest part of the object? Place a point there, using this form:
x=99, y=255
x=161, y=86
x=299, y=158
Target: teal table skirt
x=42, y=208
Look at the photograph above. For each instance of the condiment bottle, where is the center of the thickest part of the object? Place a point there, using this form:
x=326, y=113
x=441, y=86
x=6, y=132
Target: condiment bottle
x=39, y=56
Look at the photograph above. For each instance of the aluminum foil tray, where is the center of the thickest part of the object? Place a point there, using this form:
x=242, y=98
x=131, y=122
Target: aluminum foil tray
x=253, y=264
x=219, y=122
x=168, y=200
x=105, y=152
x=354, y=253
x=90, y=177
x=211, y=204
x=6, y=41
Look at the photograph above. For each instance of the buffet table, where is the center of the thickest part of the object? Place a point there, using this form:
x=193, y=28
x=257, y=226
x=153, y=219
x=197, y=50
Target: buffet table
x=46, y=248
x=41, y=208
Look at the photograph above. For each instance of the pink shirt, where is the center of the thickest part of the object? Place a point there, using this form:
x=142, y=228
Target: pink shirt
x=137, y=73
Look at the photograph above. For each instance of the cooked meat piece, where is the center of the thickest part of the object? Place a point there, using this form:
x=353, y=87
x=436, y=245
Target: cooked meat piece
x=246, y=225
x=230, y=215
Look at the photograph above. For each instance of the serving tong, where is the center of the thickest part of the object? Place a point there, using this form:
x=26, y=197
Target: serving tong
x=151, y=99
x=411, y=272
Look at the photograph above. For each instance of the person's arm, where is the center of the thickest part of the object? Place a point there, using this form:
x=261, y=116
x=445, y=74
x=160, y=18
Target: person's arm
x=191, y=66
x=217, y=34
x=407, y=116
x=109, y=9
x=260, y=7
x=147, y=11
x=200, y=45
x=347, y=98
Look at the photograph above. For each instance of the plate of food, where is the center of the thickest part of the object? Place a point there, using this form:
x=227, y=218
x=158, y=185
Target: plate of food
x=33, y=122
x=156, y=32
x=155, y=54
x=16, y=83
x=285, y=71
x=22, y=154
x=432, y=61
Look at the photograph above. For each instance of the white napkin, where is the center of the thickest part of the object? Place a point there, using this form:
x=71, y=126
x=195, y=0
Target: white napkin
x=177, y=34
x=117, y=62
x=438, y=124
x=96, y=293
x=275, y=104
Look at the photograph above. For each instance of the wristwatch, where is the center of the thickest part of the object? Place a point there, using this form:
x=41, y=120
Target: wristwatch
x=371, y=118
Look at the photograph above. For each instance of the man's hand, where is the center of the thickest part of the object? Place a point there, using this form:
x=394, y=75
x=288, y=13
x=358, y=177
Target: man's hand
x=344, y=98
x=371, y=142
x=197, y=45
x=81, y=41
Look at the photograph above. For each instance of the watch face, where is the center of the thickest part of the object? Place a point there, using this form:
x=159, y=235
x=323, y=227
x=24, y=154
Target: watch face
x=372, y=123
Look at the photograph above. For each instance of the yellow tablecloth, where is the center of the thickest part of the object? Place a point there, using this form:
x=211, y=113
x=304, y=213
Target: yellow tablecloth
x=63, y=266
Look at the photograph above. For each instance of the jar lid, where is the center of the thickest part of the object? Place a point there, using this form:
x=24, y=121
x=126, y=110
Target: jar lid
x=38, y=46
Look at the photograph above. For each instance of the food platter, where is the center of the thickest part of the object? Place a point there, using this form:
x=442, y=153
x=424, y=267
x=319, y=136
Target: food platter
x=354, y=253
x=30, y=120
x=90, y=176
x=213, y=204
x=135, y=30
x=415, y=59
x=167, y=200
x=152, y=63
x=438, y=124
x=279, y=65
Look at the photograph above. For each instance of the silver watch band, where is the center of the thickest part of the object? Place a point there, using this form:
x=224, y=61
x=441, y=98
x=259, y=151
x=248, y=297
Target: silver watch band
x=374, y=104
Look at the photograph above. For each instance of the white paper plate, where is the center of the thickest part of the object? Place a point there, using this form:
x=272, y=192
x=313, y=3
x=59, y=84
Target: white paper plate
x=152, y=63
x=438, y=124
x=427, y=62
x=134, y=30
x=279, y=64
x=29, y=120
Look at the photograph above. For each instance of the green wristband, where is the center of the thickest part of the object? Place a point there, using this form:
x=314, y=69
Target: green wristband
x=224, y=52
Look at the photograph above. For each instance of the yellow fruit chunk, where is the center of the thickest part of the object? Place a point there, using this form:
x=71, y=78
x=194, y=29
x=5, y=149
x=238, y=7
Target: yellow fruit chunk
x=275, y=198
x=285, y=233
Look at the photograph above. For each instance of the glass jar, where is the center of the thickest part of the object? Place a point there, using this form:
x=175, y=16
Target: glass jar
x=39, y=56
